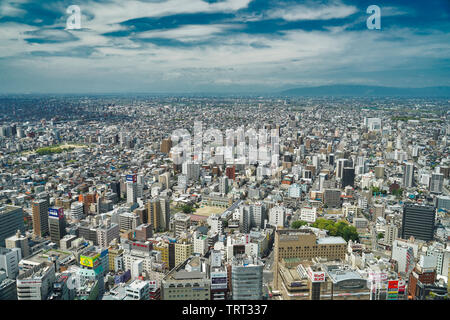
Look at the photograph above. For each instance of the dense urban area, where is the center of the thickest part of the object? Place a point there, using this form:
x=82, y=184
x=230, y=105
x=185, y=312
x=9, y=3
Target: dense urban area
x=102, y=198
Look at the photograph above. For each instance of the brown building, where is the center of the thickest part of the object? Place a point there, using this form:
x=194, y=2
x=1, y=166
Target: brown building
x=143, y=232
x=305, y=245
x=40, y=217
x=166, y=145
x=142, y=213
x=420, y=275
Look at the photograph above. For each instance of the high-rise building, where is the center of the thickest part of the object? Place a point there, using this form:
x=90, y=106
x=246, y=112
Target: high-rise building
x=277, y=216
x=40, y=217
x=230, y=172
x=9, y=261
x=379, y=172
x=131, y=188
x=182, y=222
x=19, y=241
x=246, y=278
x=418, y=221
x=76, y=211
x=36, y=283
x=166, y=145
x=56, y=224
x=144, y=232
x=341, y=163
x=436, y=183
x=11, y=220
x=348, y=177
x=332, y=197
x=107, y=233
x=408, y=175
x=159, y=213
x=223, y=185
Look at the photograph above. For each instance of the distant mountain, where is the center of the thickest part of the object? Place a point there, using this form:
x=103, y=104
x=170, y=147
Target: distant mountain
x=367, y=91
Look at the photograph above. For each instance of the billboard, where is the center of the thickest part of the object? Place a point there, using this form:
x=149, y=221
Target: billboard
x=90, y=261
x=58, y=213
x=316, y=276
x=393, y=284
x=131, y=178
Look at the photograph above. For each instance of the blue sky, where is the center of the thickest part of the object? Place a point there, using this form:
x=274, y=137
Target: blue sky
x=180, y=46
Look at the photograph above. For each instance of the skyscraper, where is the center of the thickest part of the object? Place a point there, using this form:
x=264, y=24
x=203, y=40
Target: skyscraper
x=408, y=175
x=56, y=224
x=436, y=183
x=131, y=188
x=348, y=177
x=418, y=221
x=11, y=220
x=40, y=217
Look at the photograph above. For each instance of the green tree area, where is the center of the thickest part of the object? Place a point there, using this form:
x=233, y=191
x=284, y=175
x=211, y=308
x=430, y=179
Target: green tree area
x=378, y=190
x=397, y=192
x=299, y=223
x=380, y=236
x=52, y=150
x=188, y=208
x=337, y=229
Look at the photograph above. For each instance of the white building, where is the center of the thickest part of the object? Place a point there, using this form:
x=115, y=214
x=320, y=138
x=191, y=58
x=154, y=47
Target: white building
x=277, y=216
x=308, y=214
x=9, y=261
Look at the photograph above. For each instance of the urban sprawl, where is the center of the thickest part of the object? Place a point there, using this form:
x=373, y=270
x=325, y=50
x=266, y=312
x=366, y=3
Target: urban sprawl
x=224, y=198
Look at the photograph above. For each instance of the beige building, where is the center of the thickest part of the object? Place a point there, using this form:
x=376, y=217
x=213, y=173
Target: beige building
x=183, y=251
x=188, y=281
x=305, y=245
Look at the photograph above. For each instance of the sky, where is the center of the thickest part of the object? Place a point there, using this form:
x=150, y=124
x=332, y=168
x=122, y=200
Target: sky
x=223, y=46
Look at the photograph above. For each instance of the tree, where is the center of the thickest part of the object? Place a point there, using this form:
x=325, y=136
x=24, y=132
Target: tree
x=380, y=236
x=187, y=208
x=297, y=224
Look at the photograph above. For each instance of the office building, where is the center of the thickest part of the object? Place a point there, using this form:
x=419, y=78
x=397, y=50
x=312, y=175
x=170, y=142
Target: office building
x=348, y=177
x=131, y=188
x=418, y=221
x=56, y=224
x=107, y=233
x=436, y=183
x=40, y=217
x=9, y=261
x=304, y=244
x=188, y=281
x=246, y=278
x=166, y=145
x=159, y=213
x=277, y=216
x=144, y=232
x=8, y=289
x=332, y=198
x=11, y=220
x=19, y=241
x=408, y=175
x=182, y=222
x=36, y=283
x=76, y=211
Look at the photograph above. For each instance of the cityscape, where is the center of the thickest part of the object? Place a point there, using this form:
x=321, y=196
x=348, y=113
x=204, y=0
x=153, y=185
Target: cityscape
x=298, y=191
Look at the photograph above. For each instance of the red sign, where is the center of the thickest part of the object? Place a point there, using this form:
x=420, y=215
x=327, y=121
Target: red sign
x=393, y=284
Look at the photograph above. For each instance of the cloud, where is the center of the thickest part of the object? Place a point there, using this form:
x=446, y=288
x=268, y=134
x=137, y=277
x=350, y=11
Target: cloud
x=312, y=11
x=188, y=33
x=9, y=8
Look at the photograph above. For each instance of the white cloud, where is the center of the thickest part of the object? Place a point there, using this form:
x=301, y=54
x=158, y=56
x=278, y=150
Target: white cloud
x=331, y=10
x=188, y=33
